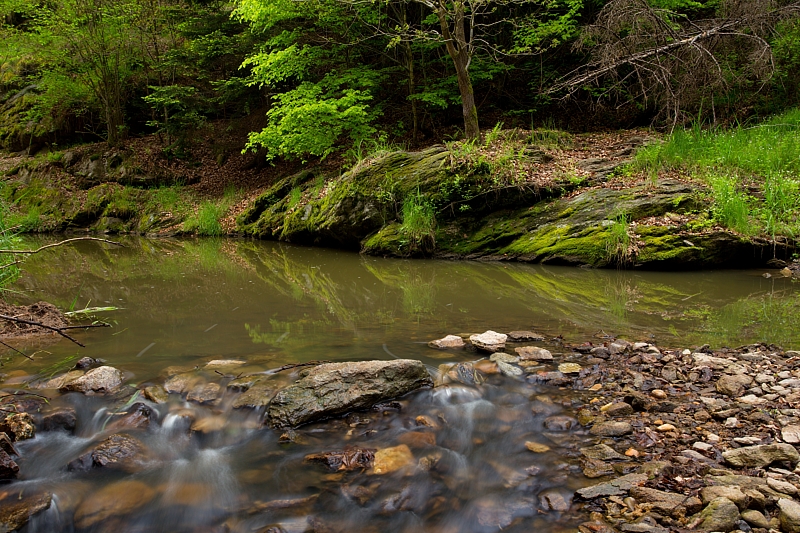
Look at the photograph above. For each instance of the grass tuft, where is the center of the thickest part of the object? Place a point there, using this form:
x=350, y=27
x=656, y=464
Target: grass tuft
x=419, y=223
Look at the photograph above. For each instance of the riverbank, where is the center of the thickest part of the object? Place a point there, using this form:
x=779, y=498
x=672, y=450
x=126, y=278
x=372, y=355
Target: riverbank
x=642, y=439
x=539, y=196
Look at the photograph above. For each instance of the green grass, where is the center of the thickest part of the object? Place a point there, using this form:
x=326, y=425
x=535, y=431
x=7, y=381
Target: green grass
x=206, y=221
x=753, y=171
x=618, y=244
x=419, y=222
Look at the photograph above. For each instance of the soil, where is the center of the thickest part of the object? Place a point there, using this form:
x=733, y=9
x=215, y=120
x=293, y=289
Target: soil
x=41, y=312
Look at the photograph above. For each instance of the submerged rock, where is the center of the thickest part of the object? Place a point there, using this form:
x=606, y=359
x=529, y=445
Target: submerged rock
x=489, y=341
x=522, y=336
x=138, y=416
x=156, y=394
x=60, y=419
x=16, y=508
x=336, y=388
x=257, y=396
x=347, y=459
x=390, y=460
x=117, y=451
x=533, y=353
x=113, y=501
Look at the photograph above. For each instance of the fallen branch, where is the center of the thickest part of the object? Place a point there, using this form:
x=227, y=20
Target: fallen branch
x=298, y=365
x=60, y=330
x=19, y=352
x=53, y=245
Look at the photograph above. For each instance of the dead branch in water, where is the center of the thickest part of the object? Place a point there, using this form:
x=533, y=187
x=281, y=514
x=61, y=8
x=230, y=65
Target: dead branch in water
x=58, y=330
x=53, y=245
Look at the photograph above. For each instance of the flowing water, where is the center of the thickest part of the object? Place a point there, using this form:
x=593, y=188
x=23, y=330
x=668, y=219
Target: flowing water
x=182, y=304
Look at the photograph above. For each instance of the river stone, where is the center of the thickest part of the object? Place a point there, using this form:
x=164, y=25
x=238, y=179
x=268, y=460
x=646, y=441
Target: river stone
x=618, y=409
x=537, y=447
x=615, y=487
x=180, y=383
x=733, y=493
x=204, y=393
x=8, y=467
x=504, y=358
x=450, y=341
x=509, y=370
x=763, y=455
x=721, y=514
x=791, y=434
x=337, y=388
x=554, y=500
x=156, y=394
x=59, y=381
x=100, y=379
x=18, y=426
x=118, y=451
x=138, y=416
x=60, y=419
x=112, y=501
x=781, y=486
x=489, y=341
x=560, y=423
x=522, y=336
x=667, y=502
x=569, y=368
x=790, y=515
x=533, y=353
x=602, y=452
x=17, y=507
x=755, y=518
x=388, y=460
x=611, y=429
x=256, y=397
x=734, y=385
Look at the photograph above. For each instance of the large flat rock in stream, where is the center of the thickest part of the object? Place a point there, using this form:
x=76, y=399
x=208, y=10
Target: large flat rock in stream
x=337, y=388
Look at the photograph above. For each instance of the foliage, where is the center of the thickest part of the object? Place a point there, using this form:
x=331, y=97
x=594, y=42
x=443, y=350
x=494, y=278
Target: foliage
x=619, y=245
x=419, y=223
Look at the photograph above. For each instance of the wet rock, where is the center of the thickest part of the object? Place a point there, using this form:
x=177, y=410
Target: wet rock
x=388, y=460
x=138, y=416
x=525, y=336
x=501, y=357
x=18, y=426
x=560, y=423
x=450, y=341
x=569, y=368
x=221, y=363
x=156, y=394
x=733, y=386
x=602, y=452
x=336, y=388
x=554, y=500
x=180, y=383
x=348, y=459
x=16, y=508
x=208, y=424
x=62, y=419
x=117, y=451
x=721, y=514
x=508, y=369
x=8, y=467
x=465, y=373
x=489, y=341
x=417, y=439
x=101, y=380
x=611, y=429
x=667, y=502
x=790, y=515
x=85, y=363
x=59, y=381
x=763, y=455
x=593, y=468
x=113, y=501
x=615, y=487
x=256, y=397
x=204, y=393
x=537, y=447
x=533, y=353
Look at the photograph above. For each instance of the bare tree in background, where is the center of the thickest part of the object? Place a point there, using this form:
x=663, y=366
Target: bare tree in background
x=676, y=63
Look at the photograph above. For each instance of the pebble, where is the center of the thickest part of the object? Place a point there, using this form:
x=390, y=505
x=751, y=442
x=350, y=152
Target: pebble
x=611, y=429
x=658, y=394
x=537, y=447
x=569, y=368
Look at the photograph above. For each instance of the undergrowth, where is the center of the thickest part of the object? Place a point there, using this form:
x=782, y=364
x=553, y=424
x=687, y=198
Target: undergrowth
x=619, y=245
x=753, y=171
x=419, y=223
x=206, y=220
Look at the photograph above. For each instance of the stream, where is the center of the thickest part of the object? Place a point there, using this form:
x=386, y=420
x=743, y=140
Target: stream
x=252, y=307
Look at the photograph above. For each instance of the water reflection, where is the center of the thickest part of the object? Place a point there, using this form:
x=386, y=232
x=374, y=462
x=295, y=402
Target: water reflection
x=212, y=467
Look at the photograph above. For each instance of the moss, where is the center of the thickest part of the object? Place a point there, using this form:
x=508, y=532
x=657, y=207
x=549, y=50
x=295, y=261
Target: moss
x=563, y=243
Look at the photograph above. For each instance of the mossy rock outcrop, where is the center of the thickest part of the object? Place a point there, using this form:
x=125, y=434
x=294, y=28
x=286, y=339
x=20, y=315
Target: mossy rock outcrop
x=480, y=217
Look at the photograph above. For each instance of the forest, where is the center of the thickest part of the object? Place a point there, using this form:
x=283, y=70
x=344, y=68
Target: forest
x=315, y=77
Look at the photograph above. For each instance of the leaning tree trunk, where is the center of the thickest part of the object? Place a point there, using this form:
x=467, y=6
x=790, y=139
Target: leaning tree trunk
x=459, y=50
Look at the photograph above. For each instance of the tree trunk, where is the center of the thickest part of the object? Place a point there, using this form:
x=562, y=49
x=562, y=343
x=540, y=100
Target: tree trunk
x=458, y=48
x=471, y=129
